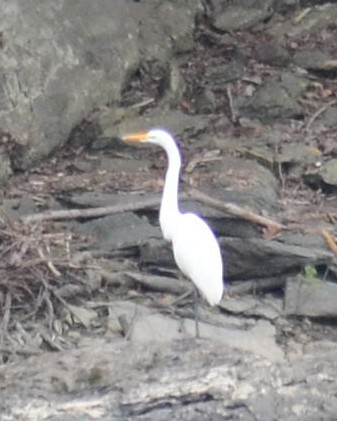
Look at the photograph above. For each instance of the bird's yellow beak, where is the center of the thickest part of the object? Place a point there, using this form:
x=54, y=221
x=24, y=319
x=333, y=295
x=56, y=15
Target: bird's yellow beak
x=136, y=137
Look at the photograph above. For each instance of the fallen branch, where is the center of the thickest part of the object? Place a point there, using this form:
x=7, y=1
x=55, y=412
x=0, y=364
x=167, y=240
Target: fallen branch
x=230, y=208
x=159, y=283
x=91, y=212
x=25, y=352
x=235, y=210
x=151, y=282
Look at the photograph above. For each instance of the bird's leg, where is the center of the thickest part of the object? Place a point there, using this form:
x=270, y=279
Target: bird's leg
x=196, y=312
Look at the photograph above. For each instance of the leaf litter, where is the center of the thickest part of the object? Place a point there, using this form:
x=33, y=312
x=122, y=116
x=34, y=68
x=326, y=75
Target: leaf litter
x=43, y=280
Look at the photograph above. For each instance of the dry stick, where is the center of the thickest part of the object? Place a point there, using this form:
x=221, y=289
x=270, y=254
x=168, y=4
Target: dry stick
x=234, y=117
x=25, y=351
x=159, y=283
x=302, y=15
x=49, y=263
x=56, y=295
x=229, y=208
x=6, y=317
x=91, y=212
x=50, y=309
x=318, y=113
x=143, y=103
x=234, y=210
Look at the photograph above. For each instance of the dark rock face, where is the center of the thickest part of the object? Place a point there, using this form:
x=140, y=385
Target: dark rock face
x=60, y=62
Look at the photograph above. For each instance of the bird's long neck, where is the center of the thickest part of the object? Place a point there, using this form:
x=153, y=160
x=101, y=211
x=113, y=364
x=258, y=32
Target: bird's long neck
x=169, y=209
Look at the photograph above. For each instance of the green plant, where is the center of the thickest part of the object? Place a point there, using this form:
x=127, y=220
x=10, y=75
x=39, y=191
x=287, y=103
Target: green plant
x=310, y=275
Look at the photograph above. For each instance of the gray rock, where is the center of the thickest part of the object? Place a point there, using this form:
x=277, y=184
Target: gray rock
x=328, y=118
x=253, y=306
x=306, y=297
x=312, y=60
x=222, y=73
x=310, y=240
x=205, y=102
x=97, y=199
x=177, y=380
x=150, y=326
x=157, y=253
x=249, y=258
x=119, y=231
x=273, y=53
x=169, y=27
x=286, y=6
x=325, y=177
x=298, y=154
x=47, y=96
x=320, y=17
x=328, y=172
x=175, y=121
x=274, y=101
x=242, y=15
x=61, y=62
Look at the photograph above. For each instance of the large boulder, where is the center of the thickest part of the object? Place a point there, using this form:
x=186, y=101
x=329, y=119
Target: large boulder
x=60, y=61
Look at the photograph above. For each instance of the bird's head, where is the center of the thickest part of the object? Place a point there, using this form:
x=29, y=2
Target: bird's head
x=155, y=136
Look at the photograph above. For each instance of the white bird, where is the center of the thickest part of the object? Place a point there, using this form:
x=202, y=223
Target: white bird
x=195, y=248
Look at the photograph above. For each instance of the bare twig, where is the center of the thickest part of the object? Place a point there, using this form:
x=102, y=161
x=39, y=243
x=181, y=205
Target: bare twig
x=318, y=113
x=182, y=297
x=198, y=159
x=127, y=333
x=302, y=15
x=143, y=103
x=235, y=210
x=229, y=208
x=6, y=317
x=159, y=283
x=26, y=352
x=234, y=116
x=52, y=343
x=92, y=212
x=50, y=309
x=49, y=263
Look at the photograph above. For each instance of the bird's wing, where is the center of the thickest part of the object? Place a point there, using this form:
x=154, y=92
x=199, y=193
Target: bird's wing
x=198, y=255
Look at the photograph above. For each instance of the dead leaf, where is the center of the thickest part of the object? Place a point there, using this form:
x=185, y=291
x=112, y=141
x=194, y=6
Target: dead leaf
x=329, y=240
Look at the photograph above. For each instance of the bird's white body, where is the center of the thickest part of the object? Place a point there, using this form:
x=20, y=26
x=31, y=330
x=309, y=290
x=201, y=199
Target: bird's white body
x=197, y=254
x=196, y=250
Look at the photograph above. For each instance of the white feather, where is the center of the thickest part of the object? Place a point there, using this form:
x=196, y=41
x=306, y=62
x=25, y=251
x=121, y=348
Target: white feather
x=196, y=250
x=197, y=254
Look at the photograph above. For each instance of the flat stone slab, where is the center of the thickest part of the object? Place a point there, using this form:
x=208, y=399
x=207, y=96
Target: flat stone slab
x=149, y=326
x=187, y=379
x=311, y=298
x=118, y=231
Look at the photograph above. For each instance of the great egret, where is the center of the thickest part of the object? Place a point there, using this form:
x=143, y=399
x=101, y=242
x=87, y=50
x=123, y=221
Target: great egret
x=195, y=248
